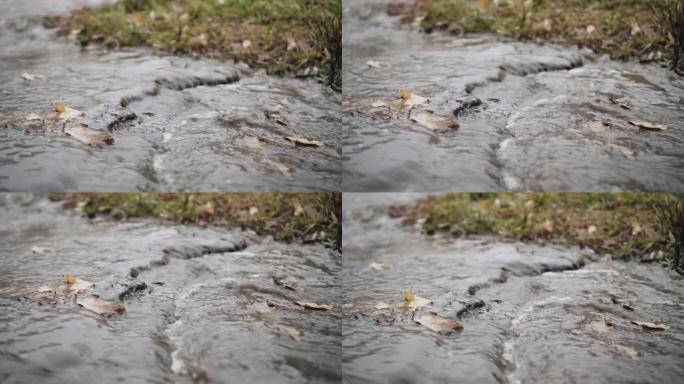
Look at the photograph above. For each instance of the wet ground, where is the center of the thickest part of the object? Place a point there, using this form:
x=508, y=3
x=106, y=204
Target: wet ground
x=530, y=314
x=199, y=124
x=211, y=310
x=537, y=122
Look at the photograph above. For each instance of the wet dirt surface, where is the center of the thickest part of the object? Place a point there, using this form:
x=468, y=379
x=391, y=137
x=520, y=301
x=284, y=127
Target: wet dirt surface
x=531, y=314
x=537, y=124
x=200, y=124
x=210, y=310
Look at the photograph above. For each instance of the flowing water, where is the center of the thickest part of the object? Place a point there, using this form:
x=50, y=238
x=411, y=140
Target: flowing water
x=531, y=116
x=197, y=124
x=531, y=314
x=210, y=310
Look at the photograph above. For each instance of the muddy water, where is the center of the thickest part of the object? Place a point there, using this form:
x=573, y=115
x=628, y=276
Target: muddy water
x=536, y=314
x=211, y=311
x=197, y=122
x=538, y=126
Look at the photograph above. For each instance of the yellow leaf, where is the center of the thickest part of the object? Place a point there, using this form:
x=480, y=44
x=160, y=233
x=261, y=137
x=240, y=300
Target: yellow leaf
x=70, y=279
x=59, y=108
x=404, y=94
x=408, y=296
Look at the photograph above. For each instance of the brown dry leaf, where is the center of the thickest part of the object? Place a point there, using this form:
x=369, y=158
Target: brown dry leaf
x=294, y=333
x=411, y=100
x=86, y=135
x=438, y=324
x=298, y=209
x=434, y=122
x=548, y=226
x=33, y=77
x=291, y=44
x=282, y=168
x=202, y=39
x=636, y=228
x=95, y=303
x=303, y=142
x=314, y=306
x=287, y=282
x=276, y=118
x=651, y=326
x=138, y=18
x=648, y=125
x=631, y=352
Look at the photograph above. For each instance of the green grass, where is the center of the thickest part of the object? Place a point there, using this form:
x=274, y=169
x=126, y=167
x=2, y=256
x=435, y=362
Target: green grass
x=623, y=29
x=626, y=226
x=301, y=217
x=286, y=36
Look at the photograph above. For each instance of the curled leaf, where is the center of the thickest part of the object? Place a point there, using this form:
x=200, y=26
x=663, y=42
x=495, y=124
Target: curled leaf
x=89, y=136
x=649, y=126
x=438, y=324
x=314, y=306
x=95, y=303
x=651, y=326
x=304, y=142
x=435, y=122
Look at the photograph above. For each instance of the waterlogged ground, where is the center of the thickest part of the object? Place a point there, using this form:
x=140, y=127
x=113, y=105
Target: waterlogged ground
x=530, y=314
x=211, y=310
x=537, y=121
x=199, y=124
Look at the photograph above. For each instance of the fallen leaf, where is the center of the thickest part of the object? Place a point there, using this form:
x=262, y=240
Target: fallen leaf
x=314, y=306
x=253, y=211
x=379, y=266
x=95, y=303
x=42, y=250
x=276, y=118
x=33, y=77
x=89, y=136
x=304, y=142
x=434, y=122
x=254, y=143
x=377, y=64
x=413, y=301
x=636, y=228
x=73, y=285
x=411, y=100
x=590, y=29
x=291, y=44
x=64, y=113
x=279, y=166
x=246, y=44
x=631, y=352
x=649, y=126
x=438, y=324
x=591, y=229
x=626, y=152
x=287, y=282
x=651, y=326
x=294, y=333
x=298, y=209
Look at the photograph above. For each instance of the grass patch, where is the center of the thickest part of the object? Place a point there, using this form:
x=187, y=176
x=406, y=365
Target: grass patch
x=301, y=217
x=624, y=29
x=626, y=226
x=281, y=36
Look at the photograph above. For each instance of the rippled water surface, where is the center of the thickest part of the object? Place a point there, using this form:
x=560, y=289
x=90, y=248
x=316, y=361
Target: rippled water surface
x=196, y=125
x=531, y=314
x=538, y=126
x=211, y=311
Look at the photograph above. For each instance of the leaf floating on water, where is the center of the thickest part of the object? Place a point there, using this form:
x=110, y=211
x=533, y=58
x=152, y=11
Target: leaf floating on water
x=438, y=324
x=293, y=332
x=64, y=113
x=287, y=282
x=651, y=326
x=631, y=352
x=95, y=303
x=279, y=166
x=377, y=64
x=33, y=77
x=303, y=142
x=73, y=285
x=434, y=122
x=378, y=266
x=411, y=100
x=649, y=126
x=42, y=250
x=314, y=306
x=276, y=118
x=89, y=136
x=413, y=301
